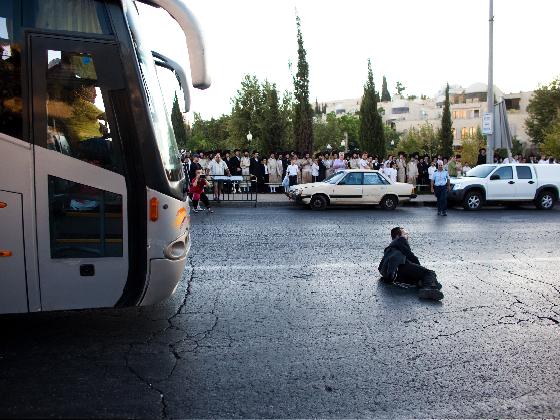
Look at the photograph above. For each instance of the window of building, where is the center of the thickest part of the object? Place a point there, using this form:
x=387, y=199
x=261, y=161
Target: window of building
x=71, y=15
x=464, y=132
x=400, y=110
x=454, y=133
x=513, y=104
x=10, y=73
x=472, y=131
x=476, y=113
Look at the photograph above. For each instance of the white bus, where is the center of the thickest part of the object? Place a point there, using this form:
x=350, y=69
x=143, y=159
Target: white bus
x=92, y=212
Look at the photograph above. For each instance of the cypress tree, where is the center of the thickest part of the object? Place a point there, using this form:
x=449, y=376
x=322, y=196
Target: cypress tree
x=372, y=136
x=385, y=95
x=179, y=127
x=273, y=127
x=446, y=132
x=303, y=112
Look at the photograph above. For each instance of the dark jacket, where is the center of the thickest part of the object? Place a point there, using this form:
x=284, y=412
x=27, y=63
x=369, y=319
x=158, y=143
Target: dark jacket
x=255, y=167
x=235, y=165
x=398, y=252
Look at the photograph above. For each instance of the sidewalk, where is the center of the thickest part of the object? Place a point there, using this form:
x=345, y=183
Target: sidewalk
x=279, y=200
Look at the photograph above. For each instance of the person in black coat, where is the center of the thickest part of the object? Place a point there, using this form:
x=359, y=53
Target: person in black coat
x=255, y=169
x=481, y=157
x=322, y=169
x=400, y=265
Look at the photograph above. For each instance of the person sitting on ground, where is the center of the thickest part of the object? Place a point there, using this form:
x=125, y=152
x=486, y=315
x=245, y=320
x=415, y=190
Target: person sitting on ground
x=400, y=265
x=196, y=192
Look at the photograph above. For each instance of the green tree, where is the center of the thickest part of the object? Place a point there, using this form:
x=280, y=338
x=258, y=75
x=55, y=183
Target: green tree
x=469, y=149
x=400, y=88
x=247, y=112
x=385, y=95
x=327, y=132
x=179, y=126
x=543, y=110
x=350, y=124
x=446, y=127
x=391, y=136
x=212, y=134
x=272, y=125
x=303, y=112
x=551, y=143
x=371, y=125
x=423, y=140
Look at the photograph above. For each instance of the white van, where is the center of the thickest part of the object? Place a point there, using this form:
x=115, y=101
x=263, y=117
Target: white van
x=518, y=182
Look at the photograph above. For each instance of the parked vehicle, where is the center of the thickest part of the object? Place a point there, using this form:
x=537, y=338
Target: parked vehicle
x=512, y=183
x=353, y=187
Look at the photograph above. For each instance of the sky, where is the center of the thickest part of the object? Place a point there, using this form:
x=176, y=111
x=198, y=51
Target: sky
x=422, y=44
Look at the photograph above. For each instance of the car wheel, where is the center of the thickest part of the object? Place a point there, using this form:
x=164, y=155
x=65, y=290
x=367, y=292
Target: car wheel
x=389, y=202
x=472, y=201
x=545, y=200
x=318, y=202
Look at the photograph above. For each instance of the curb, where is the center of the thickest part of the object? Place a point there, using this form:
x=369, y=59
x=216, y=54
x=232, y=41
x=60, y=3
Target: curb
x=265, y=204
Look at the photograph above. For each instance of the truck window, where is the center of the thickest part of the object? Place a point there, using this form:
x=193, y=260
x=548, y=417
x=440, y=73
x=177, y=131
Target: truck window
x=524, y=172
x=505, y=172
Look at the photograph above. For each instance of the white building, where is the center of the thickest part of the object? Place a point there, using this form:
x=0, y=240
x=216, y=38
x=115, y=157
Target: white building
x=467, y=107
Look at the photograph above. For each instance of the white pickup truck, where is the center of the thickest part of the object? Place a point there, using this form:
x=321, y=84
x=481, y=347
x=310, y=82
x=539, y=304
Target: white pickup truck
x=538, y=184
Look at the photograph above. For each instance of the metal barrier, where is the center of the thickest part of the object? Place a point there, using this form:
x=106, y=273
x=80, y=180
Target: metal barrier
x=238, y=188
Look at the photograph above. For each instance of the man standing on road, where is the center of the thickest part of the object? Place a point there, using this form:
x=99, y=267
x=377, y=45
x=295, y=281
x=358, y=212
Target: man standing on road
x=440, y=187
x=399, y=264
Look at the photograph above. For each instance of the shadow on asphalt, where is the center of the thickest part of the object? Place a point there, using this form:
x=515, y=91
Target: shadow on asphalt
x=401, y=294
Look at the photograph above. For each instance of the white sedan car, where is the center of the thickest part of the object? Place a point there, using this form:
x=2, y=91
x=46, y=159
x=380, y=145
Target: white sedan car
x=352, y=187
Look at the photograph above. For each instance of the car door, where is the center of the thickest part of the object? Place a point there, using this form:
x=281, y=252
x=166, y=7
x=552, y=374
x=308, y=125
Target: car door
x=374, y=187
x=501, y=184
x=526, y=184
x=81, y=193
x=348, y=190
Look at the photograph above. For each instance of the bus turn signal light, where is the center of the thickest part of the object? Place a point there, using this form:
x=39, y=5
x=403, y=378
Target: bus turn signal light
x=180, y=217
x=5, y=253
x=154, y=209
x=3, y=205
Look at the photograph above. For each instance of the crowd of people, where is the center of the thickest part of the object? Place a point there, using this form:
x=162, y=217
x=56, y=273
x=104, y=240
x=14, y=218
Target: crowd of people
x=266, y=174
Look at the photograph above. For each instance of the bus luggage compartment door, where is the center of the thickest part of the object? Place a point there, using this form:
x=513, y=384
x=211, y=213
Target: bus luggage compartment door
x=13, y=289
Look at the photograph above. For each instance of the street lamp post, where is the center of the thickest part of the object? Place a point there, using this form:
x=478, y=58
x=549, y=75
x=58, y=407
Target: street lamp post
x=249, y=137
x=490, y=97
x=329, y=148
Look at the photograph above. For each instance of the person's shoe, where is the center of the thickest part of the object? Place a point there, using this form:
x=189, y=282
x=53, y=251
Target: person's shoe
x=444, y=213
x=210, y=210
x=196, y=210
x=385, y=280
x=431, y=293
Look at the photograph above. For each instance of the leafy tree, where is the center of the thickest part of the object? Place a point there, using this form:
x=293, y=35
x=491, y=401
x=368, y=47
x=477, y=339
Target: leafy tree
x=551, y=144
x=327, y=132
x=385, y=95
x=210, y=134
x=446, y=127
x=400, y=88
x=246, y=113
x=272, y=125
x=371, y=125
x=470, y=147
x=412, y=97
x=391, y=135
x=317, y=108
x=179, y=126
x=303, y=113
x=324, y=109
x=423, y=140
x=544, y=110
x=350, y=124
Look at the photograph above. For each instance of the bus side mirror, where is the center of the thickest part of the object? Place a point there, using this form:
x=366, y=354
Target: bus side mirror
x=494, y=177
x=179, y=73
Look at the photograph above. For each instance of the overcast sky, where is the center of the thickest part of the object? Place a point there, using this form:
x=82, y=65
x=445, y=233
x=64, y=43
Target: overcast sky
x=422, y=44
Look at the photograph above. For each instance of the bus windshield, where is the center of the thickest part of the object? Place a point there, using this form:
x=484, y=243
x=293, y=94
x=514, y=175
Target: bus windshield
x=161, y=120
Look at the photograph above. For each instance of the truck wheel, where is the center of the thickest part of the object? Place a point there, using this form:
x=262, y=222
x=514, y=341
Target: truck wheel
x=389, y=202
x=318, y=202
x=472, y=201
x=545, y=200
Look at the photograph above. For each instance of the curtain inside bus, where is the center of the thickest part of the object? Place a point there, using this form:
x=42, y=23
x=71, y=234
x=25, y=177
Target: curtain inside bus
x=72, y=15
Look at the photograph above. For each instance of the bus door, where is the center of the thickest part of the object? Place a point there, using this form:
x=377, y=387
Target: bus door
x=81, y=191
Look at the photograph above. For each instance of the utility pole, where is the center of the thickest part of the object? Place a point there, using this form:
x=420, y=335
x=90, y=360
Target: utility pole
x=490, y=97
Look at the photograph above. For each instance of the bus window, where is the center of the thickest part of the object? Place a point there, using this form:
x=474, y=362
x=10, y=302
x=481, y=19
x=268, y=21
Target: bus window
x=77, y=124
x=71, y=15
x=85, y=222
x=10, y=74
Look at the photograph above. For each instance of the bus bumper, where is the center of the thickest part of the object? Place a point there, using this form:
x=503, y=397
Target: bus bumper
x=164, y=277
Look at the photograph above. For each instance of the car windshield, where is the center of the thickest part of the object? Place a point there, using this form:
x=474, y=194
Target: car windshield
x=334, y=178
x=480, y=171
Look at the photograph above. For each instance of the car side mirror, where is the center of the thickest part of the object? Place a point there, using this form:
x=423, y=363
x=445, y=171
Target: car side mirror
x=494, y=177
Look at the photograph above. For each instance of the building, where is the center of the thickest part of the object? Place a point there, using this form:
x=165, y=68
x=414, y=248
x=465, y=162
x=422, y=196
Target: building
x=467, y=108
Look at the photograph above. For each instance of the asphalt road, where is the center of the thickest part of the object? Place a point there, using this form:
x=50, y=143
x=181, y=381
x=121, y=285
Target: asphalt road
x=280, y=314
